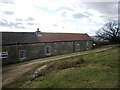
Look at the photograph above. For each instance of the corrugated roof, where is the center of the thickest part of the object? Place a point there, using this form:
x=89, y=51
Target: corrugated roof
x=31, y=37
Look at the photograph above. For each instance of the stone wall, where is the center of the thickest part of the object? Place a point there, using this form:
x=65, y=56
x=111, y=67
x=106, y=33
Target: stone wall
x=34, y=51
x=40, y=50
x=82, y=45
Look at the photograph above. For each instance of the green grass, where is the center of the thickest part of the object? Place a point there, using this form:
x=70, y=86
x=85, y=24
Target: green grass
x=100, y=70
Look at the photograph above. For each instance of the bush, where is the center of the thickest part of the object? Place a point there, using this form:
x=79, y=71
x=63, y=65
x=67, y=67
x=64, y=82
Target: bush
x=59, y=65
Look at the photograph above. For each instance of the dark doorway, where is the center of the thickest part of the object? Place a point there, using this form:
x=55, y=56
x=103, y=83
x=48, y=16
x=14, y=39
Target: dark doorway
x=48, y=50
x=22, y=54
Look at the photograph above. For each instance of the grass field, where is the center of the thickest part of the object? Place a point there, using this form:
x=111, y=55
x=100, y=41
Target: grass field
x=100, y=70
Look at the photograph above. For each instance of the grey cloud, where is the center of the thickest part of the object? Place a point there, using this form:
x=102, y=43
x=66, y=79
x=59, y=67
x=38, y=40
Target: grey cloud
x=63, y=27
x=19, y=19
x=5, y=23
x=64, y=8
x=18, y=23
x=64, y=14
x=55, y=25
x=7, y=1
x=8, y=12
x=31, y=23
x=22, y=27
x=108, y=8
x=88, y=14
x=30, y=19
x=79, y=15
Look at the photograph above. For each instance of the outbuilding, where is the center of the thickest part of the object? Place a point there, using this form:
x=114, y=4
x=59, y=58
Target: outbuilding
x=22, y=46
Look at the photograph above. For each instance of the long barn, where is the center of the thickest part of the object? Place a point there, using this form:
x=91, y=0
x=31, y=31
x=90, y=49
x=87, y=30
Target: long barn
x=22, y=46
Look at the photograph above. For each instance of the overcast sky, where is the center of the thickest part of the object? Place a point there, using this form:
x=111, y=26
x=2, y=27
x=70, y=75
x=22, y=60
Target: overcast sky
x=69, y=16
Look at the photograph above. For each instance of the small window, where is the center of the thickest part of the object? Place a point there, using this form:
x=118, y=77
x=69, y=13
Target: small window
x=22, y=54
x=87, y=43
x=48, y=50
x=78, y=46
x=3, y=55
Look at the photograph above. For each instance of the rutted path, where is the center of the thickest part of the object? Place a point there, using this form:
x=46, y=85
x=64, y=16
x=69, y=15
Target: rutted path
x=15, y=71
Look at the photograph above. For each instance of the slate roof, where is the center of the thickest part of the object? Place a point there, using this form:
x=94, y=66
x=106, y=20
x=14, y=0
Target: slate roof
x=18, y=37
x=32, y=37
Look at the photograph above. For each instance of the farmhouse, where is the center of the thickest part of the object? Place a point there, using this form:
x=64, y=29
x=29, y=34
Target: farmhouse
x=22, y=46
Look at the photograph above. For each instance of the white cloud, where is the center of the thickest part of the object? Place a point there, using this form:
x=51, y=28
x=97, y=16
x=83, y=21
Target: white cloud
x=67, y=15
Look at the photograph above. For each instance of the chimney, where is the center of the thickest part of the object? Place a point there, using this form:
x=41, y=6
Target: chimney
x=37, y=29
x=38, y=33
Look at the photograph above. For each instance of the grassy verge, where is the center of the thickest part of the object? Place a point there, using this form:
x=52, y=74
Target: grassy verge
x=100, y=70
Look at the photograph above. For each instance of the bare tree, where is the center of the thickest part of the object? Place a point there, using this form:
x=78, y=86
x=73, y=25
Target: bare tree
x=110, y=31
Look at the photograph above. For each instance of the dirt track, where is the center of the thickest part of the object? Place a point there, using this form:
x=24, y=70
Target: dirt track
x=15, y=71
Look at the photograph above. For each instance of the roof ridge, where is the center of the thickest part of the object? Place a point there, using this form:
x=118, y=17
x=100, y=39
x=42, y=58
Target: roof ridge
x=61, y=33
x=48, y=33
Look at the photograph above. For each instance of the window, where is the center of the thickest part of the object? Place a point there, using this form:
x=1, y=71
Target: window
x=78, y=46
x=3, y=55
x=87, y=43
x=48, y=50
x=22, y=54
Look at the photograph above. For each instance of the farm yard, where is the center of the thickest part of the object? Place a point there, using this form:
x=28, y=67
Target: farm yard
x=96, y=68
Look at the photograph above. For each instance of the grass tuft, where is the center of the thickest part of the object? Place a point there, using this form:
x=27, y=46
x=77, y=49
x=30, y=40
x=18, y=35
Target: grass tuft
x=58, y=65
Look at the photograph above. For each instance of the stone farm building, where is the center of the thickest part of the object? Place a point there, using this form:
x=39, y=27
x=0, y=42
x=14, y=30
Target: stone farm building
x=21, y=46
